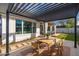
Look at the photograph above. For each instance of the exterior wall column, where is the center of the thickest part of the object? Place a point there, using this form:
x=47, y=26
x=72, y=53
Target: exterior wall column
x=46, y=27
x=32, y=27
x=22, y=27
x=50, y=29
x=37, y=29
x=55, y=29
x=43, y=28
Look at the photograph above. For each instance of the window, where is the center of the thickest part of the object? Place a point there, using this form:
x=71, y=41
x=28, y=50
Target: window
x=27, y=27
x=23, y=27
x=18, y=26
x=34, y=27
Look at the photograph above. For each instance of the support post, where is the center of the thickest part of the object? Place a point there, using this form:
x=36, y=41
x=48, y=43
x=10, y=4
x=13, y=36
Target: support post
x=75, y=33
x=32, y=27
x=55, y=29
x=7, y=33
x=46, y=27
x=51, y=29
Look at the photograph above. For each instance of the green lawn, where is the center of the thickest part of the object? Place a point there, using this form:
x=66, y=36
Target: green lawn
x=67, y=36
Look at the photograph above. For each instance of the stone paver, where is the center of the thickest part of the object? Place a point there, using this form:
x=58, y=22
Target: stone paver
x=73, y=51
x=13, y=48
x=19, y=45
x=24, y=43
x=3, y=50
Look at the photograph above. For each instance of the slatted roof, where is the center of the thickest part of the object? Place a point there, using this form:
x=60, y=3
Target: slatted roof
x=44, y=11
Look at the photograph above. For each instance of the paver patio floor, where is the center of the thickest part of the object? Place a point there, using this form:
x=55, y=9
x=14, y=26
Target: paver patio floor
x=69, y=44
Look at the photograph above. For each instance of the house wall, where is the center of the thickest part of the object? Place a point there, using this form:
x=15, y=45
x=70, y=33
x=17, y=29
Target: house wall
x=12, y=29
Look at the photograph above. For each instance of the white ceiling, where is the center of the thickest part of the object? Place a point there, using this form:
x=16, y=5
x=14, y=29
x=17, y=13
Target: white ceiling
x=3, y=7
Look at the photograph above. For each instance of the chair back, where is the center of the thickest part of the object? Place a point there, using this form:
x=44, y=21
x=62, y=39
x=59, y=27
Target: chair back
x=61, y=42
x=34, y=44
x=43, y=45
x=54, y=40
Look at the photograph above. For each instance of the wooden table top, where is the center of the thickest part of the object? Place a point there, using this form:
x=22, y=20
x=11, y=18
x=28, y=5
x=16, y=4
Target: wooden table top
x=49, y=42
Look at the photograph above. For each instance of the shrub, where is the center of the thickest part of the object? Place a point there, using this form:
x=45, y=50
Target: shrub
x=33, y=37
x=47, y=35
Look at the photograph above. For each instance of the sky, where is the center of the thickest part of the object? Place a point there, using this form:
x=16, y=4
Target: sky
x=57, y=22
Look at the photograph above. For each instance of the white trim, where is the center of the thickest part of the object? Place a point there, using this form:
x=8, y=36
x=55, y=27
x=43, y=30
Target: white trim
x=22, y=27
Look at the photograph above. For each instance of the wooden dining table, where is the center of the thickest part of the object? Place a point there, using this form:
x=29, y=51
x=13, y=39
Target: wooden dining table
x=49, y=42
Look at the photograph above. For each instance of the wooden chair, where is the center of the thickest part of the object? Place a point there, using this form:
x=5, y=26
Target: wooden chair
x=35, y=46
x=54, y=50
x=43, y=49
x=57, y=48
x=61, y=47
x=0, y=50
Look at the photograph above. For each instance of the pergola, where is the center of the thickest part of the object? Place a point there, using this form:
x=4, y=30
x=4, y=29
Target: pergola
x=42, y=12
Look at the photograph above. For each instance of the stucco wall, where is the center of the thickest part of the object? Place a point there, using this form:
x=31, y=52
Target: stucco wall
x=12, y=28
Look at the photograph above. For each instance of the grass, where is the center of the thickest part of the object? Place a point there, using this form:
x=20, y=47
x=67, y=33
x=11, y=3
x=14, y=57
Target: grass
x=67, y=36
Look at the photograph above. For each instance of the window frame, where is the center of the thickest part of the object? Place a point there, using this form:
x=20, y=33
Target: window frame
x=33, y=28
x=24, y=26
x=16, y=26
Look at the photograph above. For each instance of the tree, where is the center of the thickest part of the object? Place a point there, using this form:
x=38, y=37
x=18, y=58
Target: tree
x=62, y=22
x=69, y=23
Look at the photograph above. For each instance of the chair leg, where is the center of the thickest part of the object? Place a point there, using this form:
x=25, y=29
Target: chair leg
x=61, y=51
x=0, y=50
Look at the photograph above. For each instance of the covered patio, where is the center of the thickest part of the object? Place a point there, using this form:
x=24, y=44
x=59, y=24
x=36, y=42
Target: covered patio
x=43, y=13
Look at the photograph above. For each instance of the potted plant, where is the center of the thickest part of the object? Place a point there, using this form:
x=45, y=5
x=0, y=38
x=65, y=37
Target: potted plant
x=47, y=35
x=33, y=38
